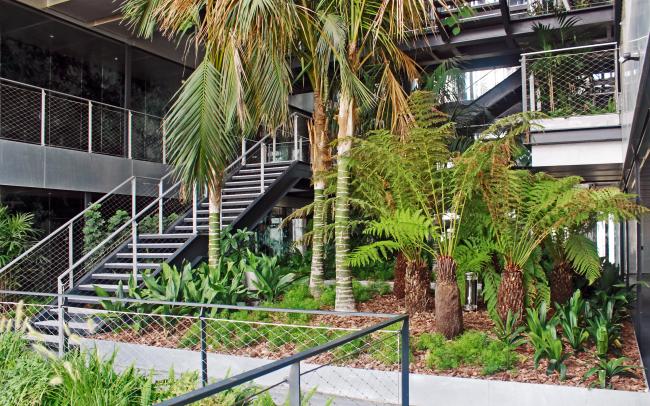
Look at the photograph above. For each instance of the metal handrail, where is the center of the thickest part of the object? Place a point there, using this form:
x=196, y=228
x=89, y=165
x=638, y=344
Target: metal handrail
x=606, y=44
x=85, y=100
x=66, y=224
x=130, y=222
x=294, y=360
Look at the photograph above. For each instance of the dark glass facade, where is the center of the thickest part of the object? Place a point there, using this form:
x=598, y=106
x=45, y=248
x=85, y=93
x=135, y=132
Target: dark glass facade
x=39, y=50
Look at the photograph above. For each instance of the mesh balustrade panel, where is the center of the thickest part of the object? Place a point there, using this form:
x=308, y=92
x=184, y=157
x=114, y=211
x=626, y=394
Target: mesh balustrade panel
x=20, y=113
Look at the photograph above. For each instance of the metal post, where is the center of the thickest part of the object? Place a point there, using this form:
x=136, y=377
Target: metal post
x=274, y=147
x=160, y=207
x=134, y=229
x=262, y=161
x=294, y=384
x=295, y=137
x=300, y=157
x=62, y=314
x=204, y=350
x=243, y=151
x=639, y=238
x=71, y=255
x=524, y=98
x=194, y=204
x=164, y=143
x=616, y=95
x=42, y=116
x=404, y=335
x=90, y=126
x=129, y=133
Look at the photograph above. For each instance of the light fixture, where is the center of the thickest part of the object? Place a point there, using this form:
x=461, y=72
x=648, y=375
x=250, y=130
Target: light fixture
x=471, y=291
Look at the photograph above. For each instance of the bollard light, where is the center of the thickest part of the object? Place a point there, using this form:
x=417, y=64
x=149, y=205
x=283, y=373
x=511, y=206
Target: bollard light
x=471, y=291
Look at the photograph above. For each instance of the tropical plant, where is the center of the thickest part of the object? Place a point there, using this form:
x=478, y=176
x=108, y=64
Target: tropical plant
x=509, y=331
x=96, y=228
x=542, y=335
x=241, y=83
x=526, y=208
x=606, y=369
x=604, y=332
x=373, y=31
x=407, y=183
x=269, y=280
x=571, y=317
x=16, y=233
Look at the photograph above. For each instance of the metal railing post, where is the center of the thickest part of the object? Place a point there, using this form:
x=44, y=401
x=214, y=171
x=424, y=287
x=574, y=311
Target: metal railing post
x=294, y=384
x=129, y=133
x=90, y=126
x=262, y=162
x=42, y=116
x=295, y=137
x=243, y=151
x=62, y=314
x=524, y=96
x=71, y=254
x=134, y=229
x=204, y=350
x=616, y=90
x=274, y=147
x=164, y=143
x=404, y=336
x=194, y=204
x=160, y=207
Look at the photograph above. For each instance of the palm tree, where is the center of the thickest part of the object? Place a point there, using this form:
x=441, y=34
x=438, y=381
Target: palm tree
x=242, y=82
x=526, y=208
x=16, y=233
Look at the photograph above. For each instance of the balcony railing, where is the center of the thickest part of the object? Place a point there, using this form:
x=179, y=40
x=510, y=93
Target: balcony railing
x=536, y=8
x=46, y=117
x=569, y=82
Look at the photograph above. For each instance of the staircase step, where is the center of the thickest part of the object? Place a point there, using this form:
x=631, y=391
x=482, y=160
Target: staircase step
x=240, y=196
x=254, y=177
x=274, y=163
x=237, y=183
x=236, y=202
x=238, y=210
x=115, y=276
x=72, y=325
x=164, y=236
x=158, y=245
x=248, y=189
x=85, y=311
x=154, y=255
x=43, y=338
x=269, y=169
x=107, y=287
x=202, y=227
x=92, y=300
x=198, y=219
x=129, y=265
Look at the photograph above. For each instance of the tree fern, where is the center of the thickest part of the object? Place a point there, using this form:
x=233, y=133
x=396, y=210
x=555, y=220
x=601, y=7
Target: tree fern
x=583, y=255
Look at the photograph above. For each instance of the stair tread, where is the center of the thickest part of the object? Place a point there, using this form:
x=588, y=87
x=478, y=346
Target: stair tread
x=43, y=338
x=115, y=276
x=79, y=310
x=158, y=245
x=129, y=265
x=76, y=325
x=106, y=287
x=145, y=254
x=165, y=236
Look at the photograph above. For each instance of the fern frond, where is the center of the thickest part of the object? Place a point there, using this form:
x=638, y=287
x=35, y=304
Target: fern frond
x=583, y=255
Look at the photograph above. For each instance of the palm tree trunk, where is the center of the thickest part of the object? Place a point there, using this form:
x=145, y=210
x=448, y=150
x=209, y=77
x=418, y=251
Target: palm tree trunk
x=417, y=295
x=344, y=296
x=449, y=315
x=561, y=282
x=316, y=277
x=214, y=226
x=320, y=163
x=399, y=278
x=510, y=296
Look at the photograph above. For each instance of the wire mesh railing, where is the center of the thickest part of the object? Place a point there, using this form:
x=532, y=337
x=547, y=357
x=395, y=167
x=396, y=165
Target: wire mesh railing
x=253, y=354
x=536, y=8
x=41, y=116
x=38, y=268
x=571, y=81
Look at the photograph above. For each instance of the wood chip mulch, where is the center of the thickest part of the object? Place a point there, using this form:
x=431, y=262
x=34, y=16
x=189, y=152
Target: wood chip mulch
x=525, y=370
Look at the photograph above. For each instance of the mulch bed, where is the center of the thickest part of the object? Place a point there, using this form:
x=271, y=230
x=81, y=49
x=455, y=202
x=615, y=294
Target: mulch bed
x=420, y=323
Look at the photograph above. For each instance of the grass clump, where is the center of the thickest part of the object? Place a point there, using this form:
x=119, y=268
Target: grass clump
x=471, y=348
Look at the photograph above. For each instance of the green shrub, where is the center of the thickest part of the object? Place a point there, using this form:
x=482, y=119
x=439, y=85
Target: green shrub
x=365, y=293
x=471, y=348
x=328, y=296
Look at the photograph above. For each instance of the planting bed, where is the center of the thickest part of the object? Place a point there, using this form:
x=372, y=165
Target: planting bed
x=258, y=339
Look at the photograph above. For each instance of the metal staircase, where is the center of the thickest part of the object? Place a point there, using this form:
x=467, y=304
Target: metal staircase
x=162, y=227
